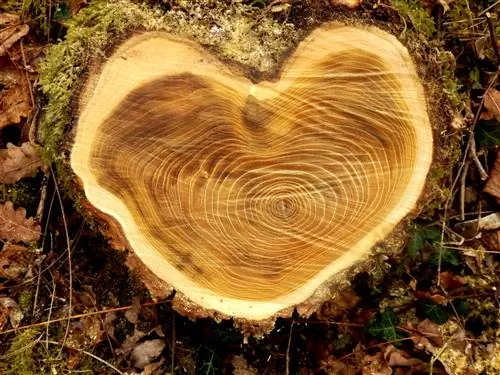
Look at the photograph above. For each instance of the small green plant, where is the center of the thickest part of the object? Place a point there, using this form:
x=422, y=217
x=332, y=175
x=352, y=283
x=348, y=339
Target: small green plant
x=41, y=12
x=439, y=314
x=384, y=326
x=449, y=257
x=421, y=236
x=210, y=367
x=417, y=15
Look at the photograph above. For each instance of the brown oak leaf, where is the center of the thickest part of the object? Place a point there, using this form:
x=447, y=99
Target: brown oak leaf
x=15, y=100
x=491, y=104
x=431, y=331
x=13, y=261
x=10, y=32
x=15, y=227
x=18, y=162
x=493, y=185
x=451, y=281
x=7, y=304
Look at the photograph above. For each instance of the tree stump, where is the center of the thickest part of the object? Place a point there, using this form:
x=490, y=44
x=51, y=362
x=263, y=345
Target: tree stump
x=245, y=197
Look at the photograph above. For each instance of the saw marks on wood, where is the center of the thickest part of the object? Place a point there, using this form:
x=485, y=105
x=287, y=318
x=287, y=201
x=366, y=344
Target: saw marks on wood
x=247, y=197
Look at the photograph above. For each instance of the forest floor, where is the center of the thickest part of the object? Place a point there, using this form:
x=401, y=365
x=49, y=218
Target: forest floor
x=69, y=304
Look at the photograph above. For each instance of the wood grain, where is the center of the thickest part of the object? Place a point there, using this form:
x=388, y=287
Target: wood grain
x=246, y=197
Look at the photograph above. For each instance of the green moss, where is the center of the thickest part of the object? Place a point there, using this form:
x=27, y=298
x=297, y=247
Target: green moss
x=417, y=14
x=23, y=193
x=25, y=299
x=60, y=73
x=451, y=85
x=19, y=359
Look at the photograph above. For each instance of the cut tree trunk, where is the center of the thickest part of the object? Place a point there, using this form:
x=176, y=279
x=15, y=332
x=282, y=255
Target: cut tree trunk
x=247, y=197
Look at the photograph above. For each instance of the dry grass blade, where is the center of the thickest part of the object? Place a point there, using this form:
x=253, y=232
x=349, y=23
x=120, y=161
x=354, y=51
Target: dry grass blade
x=15, y=227
x=89, y=354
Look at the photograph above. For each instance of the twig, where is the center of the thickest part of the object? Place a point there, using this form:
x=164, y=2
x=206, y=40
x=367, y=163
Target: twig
x=87, y=353
x=68, y=246
x=41, y=271
x=52, y=297
x=436, y=356
x=25, y=68
x=472, y=150
x=462, y=190
x=43, y=197
x=489, y=8
x=491, y=29
x=287, y=369
x=32, y=136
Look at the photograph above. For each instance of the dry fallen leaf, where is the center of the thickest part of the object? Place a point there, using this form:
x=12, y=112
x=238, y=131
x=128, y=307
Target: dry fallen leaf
x=13, y=261
x=491, y=104
x=493, y=184
x=10, y=32
x=15, y=227
x=132, y=315
x=431, y=331
x=488, y=222
x=451, y=281
x=241, y=366
x=4, y=317
x=15, y=100
x=491, y=240
x=375, y=364
x=146, y=352
x=396, y=357
x=15, y=313
x=18, y=162
x=130, y=341
x=343, y=302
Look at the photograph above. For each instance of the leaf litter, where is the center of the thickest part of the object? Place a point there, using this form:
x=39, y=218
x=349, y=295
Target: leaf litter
x=15, y=227
x=19, y=162
x=11, y=31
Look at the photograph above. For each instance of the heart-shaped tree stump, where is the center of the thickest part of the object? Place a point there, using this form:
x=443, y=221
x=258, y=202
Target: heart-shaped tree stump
x=246, y=197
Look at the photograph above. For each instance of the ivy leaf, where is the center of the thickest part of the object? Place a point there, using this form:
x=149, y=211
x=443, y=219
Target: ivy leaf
x=421, y=236
x=449, y=257
x=431, y=234
x=416, y=244
x=439, y=314
x=462, y=307
x=384, y=326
